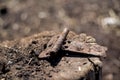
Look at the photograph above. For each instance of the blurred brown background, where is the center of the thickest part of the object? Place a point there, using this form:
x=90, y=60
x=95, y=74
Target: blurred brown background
x=98, y=18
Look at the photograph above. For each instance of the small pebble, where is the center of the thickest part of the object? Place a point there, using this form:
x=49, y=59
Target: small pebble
x=24, y=16
x=15, y=27
x=109, y=77
x=27, y=30
x=19, y=67
x=2, y=79
x=9, y=62
x=42, y=15
x=79, y=68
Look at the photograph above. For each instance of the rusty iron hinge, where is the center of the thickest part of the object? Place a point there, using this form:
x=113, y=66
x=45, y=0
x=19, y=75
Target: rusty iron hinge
x=85, y=48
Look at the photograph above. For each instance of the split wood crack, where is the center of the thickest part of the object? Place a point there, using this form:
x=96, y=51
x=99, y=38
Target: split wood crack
x=58, y=46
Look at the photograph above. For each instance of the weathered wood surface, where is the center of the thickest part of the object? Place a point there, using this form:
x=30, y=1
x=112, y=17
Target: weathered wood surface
x=20, y=59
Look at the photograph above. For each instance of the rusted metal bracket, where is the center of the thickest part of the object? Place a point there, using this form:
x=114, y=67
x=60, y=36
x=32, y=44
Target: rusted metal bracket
x=57, y=45
x=87, y=48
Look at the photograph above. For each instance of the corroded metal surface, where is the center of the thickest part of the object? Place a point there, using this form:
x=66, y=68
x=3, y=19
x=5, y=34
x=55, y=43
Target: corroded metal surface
x=87, y=47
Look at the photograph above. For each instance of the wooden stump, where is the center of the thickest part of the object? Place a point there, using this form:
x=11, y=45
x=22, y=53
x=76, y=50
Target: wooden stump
x=21, y=60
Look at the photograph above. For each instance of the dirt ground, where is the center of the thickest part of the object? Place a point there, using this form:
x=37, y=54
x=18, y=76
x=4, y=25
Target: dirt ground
x=21, y=18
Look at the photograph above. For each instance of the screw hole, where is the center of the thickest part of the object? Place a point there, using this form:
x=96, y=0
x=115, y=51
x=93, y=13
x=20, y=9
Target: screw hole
x=45, y=46
x=65, y=46
x=64, y=43
x=84, y=63
x=69, y=41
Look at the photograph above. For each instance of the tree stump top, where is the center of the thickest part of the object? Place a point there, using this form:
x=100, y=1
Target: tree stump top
x=19, y=58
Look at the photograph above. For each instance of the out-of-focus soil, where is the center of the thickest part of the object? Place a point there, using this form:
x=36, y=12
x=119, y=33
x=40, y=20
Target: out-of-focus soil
x=20, y=18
